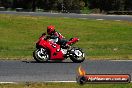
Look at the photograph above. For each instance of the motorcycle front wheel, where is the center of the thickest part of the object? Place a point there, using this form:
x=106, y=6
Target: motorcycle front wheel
x=41, y=55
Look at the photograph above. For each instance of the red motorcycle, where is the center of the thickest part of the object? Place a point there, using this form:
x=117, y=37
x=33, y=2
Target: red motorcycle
x=47, y=50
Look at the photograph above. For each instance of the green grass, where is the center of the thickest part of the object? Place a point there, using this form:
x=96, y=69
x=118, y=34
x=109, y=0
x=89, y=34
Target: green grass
x=99, y=39
x=64, y=85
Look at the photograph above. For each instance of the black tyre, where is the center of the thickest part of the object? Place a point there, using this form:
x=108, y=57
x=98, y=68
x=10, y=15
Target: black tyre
x=77, y=55
x=41, y=55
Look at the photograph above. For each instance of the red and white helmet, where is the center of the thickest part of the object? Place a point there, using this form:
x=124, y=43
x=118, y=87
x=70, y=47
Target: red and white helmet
x=50, y=29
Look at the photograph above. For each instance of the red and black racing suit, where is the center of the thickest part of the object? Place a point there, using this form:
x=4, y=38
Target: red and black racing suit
x=61, y=39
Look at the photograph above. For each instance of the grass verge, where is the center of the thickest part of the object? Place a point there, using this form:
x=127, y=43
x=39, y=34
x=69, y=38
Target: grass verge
x=64, y=85
x=99, y=39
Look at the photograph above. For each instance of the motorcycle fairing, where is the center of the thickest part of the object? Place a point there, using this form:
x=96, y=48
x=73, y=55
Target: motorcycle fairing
x=55, y=49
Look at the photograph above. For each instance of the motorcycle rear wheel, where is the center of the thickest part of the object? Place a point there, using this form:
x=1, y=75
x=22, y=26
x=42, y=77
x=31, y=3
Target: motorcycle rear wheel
x=41, y=55
x=77, y=55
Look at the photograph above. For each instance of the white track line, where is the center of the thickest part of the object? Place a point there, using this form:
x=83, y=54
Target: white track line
x=121, y=60
x=99, y=19
x=44, y=81
x=8, y=82
x=61, y=81
x=66, y=17
x=117, y=20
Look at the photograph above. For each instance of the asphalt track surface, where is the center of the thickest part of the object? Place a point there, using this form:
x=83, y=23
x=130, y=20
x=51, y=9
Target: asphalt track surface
x=31, y=71
x=72, y=15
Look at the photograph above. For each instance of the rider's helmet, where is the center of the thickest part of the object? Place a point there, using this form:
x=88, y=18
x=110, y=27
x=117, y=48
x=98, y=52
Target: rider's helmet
x=50, y=29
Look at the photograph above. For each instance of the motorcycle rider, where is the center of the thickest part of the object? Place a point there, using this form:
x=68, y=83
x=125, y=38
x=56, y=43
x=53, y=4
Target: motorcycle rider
x=56, y=37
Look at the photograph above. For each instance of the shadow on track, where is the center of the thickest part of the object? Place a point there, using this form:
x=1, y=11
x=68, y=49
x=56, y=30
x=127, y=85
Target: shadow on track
x=48, y=62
